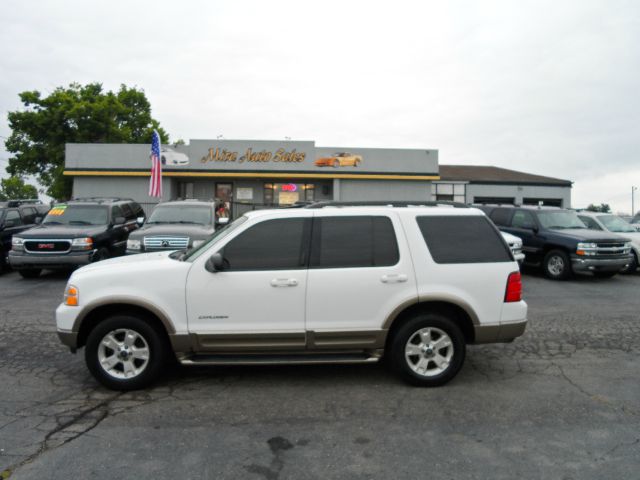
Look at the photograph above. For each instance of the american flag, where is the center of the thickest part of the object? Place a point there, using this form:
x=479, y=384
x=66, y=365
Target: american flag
x=155, y=182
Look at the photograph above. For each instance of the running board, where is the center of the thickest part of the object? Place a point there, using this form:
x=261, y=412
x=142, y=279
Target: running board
x=277, y=359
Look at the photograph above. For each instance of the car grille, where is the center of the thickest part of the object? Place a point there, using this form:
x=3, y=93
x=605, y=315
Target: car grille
x=617, y=248
x=47, y=246
x=165, y=243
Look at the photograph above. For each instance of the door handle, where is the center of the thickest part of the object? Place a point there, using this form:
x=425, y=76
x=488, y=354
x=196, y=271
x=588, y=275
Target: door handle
x=284, y=282
x=394, y=278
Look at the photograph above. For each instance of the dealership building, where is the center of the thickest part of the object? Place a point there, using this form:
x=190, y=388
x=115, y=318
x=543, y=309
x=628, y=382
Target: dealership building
x=257, y=173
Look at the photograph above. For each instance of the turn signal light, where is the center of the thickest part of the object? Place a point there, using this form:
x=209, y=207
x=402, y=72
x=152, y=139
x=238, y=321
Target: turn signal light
x=514, y=288
x=71, y=296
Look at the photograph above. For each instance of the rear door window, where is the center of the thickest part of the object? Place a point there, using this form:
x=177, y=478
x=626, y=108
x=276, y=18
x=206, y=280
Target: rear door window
x=501, y=216
x=463, y=239
x=523, y=219
x=355, y=241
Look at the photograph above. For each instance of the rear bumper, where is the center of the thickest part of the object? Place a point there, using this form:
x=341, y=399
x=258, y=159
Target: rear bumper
x=513, y=323
x=585, y=264
x=20, y=260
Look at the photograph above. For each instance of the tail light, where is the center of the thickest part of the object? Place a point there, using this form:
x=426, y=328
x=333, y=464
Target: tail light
x=513, y=292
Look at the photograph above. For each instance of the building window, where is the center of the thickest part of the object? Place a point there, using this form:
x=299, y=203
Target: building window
x=288, y=193
x=494, y=200
x=548, y=202
x=453, y=192
x=185, y=190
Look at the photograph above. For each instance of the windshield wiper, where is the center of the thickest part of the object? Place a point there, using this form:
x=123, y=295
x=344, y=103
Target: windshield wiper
x=52, y=223
x=157, y=221
x=79, y=222
x=187, y=221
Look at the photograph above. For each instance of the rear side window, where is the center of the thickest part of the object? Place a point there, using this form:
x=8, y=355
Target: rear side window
x=126, y=210
x=500, y=216
x=358, y=241
x=463, y=240
x=270, y=245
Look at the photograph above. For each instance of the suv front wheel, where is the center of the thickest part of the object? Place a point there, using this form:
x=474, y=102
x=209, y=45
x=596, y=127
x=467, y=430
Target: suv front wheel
x=125, y=353
x=428, y=350
x=556, y=265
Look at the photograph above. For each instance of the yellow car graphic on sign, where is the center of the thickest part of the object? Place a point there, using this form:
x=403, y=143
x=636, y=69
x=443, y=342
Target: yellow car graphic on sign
x=342, y=159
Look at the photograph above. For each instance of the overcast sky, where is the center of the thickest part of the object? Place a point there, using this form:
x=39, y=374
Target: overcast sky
x=547, y=87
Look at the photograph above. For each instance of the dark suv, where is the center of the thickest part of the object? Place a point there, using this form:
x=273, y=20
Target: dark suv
x=175, y=225
x=17, y=216
x=76, y=233
x=557, y=240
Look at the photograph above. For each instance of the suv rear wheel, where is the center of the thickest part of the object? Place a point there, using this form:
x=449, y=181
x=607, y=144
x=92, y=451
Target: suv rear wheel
x=428, y=350
x=556, y=265
x=125, y=353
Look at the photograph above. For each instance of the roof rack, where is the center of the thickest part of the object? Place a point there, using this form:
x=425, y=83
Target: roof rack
x=23, y=201
x=389, y=203
x=100, y=199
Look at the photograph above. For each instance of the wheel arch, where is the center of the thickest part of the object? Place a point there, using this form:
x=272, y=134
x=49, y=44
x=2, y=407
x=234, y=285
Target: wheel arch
x=96, y=313
x=463, y=316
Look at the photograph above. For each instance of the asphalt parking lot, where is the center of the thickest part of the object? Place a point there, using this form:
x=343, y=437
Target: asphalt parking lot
x=561, y=402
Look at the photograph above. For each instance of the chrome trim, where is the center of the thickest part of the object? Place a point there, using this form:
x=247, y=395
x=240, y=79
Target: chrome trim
x=48, y=240
x=172, y=242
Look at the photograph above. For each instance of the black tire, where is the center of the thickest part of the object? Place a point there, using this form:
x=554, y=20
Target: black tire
x=405, y=365
x=101, y=254
x=633, y=265
x=604, y=274
x=30, y=272
x=557, y=265
x=157, y=352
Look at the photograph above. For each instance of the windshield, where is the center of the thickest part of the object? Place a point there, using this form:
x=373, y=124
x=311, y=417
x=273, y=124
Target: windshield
x=200, y=215
x=77, y=215
x=615, y=224
x=560, y=219
x=217, y=236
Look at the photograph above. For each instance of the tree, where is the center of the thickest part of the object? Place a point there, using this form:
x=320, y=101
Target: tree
x=603, y=207
x=75, y=114
x=14, y=188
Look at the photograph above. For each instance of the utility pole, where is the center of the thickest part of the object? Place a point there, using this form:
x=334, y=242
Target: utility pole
x=633, y=190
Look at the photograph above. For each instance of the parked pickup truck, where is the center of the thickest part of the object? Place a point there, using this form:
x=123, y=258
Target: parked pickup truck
x=560, y=243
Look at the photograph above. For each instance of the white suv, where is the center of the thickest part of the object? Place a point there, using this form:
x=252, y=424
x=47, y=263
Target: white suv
x=326, y=283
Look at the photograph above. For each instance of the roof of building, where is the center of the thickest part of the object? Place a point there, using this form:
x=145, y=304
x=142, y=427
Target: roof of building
x=496, y=175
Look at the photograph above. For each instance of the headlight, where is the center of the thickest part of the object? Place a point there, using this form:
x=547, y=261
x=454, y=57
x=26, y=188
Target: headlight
x=71, y=296
x=82, y=243
x=17, y=244
x=584, y=248
x=627, y=247
x=517, y=245
x=197, y=243
x=133, y=244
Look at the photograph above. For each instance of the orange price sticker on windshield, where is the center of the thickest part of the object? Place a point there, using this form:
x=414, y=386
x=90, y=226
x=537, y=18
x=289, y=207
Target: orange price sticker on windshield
x=57, y=210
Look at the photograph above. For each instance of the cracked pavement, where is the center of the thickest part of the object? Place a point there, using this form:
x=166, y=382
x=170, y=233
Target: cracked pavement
x=561, y=402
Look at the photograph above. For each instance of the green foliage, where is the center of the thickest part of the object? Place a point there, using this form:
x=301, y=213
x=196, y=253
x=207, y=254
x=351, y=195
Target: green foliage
x=14, y=188
x=75, y=114
x=603, y=207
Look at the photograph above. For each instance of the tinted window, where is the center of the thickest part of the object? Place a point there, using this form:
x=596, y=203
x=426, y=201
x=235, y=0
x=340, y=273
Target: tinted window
x=522, y=219
x=14, y=217
x=343, y=242
x=126, y=210
x=270, y=245
x=500, y=216
x=29, y=214
x=463, y=240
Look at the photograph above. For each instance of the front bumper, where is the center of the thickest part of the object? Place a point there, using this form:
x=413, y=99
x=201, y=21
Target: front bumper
x=586, y=264
x=22, y=260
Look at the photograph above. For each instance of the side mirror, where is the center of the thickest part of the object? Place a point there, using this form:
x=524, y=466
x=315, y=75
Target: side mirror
x=215, y=263
x=119, y=220
x=140, y=221
x=38, y=220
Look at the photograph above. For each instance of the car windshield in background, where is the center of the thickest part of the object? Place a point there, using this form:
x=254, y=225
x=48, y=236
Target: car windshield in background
x=615, y=224
x=77, y=215
x=199, y=215
x=560, y=219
